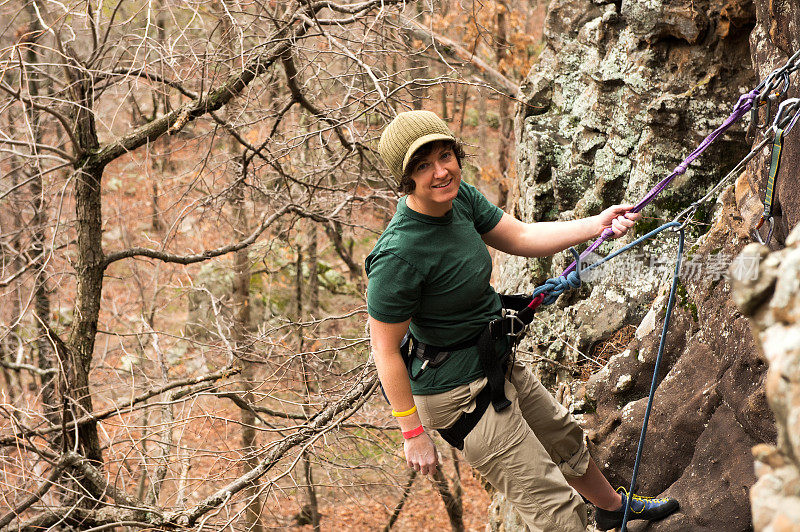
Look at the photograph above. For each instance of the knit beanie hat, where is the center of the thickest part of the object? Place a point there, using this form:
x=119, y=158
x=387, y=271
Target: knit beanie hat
x=406, y=133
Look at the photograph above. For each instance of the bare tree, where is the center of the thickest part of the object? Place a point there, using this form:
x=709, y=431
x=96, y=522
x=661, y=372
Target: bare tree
x=162, y=164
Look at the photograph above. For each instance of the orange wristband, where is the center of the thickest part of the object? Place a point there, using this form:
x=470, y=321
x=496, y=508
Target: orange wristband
x=413, y=433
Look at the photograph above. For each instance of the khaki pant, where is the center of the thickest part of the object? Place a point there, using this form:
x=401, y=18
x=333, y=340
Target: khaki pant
x=525, y=451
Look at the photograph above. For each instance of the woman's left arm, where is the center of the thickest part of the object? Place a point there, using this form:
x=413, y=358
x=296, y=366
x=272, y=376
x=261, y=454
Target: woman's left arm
x=542, y=239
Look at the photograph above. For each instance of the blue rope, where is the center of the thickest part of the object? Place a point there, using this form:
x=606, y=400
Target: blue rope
x=554, y=287
x=662, y=342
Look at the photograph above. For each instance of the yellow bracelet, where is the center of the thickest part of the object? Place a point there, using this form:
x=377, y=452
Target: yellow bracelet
x=405, y=413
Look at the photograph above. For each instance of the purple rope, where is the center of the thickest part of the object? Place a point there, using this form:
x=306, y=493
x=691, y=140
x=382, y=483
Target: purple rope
x=744, y=105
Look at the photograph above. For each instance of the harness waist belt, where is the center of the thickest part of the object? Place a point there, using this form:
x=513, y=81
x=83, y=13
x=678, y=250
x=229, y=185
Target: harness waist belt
x=515, y=317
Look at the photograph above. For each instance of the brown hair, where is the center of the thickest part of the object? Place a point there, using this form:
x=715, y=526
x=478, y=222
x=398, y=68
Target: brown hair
x=406, y=183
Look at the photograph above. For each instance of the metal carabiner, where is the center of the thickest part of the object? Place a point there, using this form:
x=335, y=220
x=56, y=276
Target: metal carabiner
x=784, y=88
x=688, y=212
x=768, y=97
x=517, y=327
x=757, y=236
x=754, y=112
x=789, y=105
x=765, y=99
x=793, y=63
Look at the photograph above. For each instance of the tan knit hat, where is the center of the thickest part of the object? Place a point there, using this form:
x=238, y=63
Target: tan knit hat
x=406, y=133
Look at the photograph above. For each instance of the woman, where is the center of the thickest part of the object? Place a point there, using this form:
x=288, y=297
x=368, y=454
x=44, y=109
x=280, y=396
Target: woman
x=429, y=274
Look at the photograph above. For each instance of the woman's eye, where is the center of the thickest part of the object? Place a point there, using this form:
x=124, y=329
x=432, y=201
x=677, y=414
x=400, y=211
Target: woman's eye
x=422, y=167
x=447, y=154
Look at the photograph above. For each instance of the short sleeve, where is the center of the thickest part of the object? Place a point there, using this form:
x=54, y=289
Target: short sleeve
x=485, y=215
x=395, y=287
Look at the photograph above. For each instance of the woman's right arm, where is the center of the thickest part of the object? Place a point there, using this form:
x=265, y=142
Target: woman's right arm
x=386, y=337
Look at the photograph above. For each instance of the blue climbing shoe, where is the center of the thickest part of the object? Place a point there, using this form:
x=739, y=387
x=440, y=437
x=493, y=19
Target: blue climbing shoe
x=641, y=508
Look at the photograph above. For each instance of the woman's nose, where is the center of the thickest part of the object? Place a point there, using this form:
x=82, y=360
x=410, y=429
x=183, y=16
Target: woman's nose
x=439, y=170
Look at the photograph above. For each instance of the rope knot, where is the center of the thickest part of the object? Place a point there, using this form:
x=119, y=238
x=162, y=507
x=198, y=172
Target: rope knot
x=558, y=285
x=746, y=100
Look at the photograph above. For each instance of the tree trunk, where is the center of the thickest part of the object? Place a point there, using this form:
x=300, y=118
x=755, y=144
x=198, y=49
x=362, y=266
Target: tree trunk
x=309, y=513
x=334, y=232
x=313, y=266
x=9, y=343
x=89, y=265
x=452, y=504
x=311, y=508
x=89, y=269
x=416, y=70
x=506, y=119
x=241, y=332
x=242, y=328
x=44, y=346
x=402, y=502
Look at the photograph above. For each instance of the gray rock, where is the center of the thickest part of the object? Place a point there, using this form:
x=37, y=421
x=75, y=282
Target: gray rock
x=622, y=93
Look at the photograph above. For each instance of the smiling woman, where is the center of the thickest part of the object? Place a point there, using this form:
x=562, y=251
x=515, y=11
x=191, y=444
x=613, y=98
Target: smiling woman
x=429, y=277
x=436, y=173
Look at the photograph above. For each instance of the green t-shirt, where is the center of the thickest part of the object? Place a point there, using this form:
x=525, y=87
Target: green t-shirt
x=436, y=270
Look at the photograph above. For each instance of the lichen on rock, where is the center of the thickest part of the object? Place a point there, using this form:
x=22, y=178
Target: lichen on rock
x=621, y=94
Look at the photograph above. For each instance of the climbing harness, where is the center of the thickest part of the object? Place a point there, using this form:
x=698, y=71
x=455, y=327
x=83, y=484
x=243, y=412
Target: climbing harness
x=507, y=325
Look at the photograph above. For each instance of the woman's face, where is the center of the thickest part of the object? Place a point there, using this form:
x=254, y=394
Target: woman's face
x=436, y=180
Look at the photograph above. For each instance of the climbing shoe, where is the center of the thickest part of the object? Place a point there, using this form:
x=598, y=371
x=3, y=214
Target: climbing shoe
x=641, y=508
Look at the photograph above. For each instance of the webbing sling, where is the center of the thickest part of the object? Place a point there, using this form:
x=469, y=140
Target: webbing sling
x=769, y=192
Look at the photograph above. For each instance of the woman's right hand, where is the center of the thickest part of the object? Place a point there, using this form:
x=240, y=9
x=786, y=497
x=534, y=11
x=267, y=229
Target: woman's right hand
x=421, y=454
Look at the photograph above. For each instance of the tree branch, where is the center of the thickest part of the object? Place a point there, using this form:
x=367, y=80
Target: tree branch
x=30, y=264
x=150, y=76
x=321, y=423
x=65, y=123
x=61, y=153
x=241, y=403
x=98, y=481
x=352, y=8
x=456, y=51
x=205, y=255
x=176, y=120
x=120, y=409
x=37, y=495
x=29, y=367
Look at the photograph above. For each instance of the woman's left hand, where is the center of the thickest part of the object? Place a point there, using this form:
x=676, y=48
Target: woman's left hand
x=618, y=218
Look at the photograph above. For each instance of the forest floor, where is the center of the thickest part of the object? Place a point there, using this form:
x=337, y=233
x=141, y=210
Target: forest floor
x=423, y=510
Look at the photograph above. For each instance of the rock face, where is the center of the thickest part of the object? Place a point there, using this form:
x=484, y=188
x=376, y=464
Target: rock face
x=709, y=407
x=623, y=92
x=773, y=40
x=772, y=301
